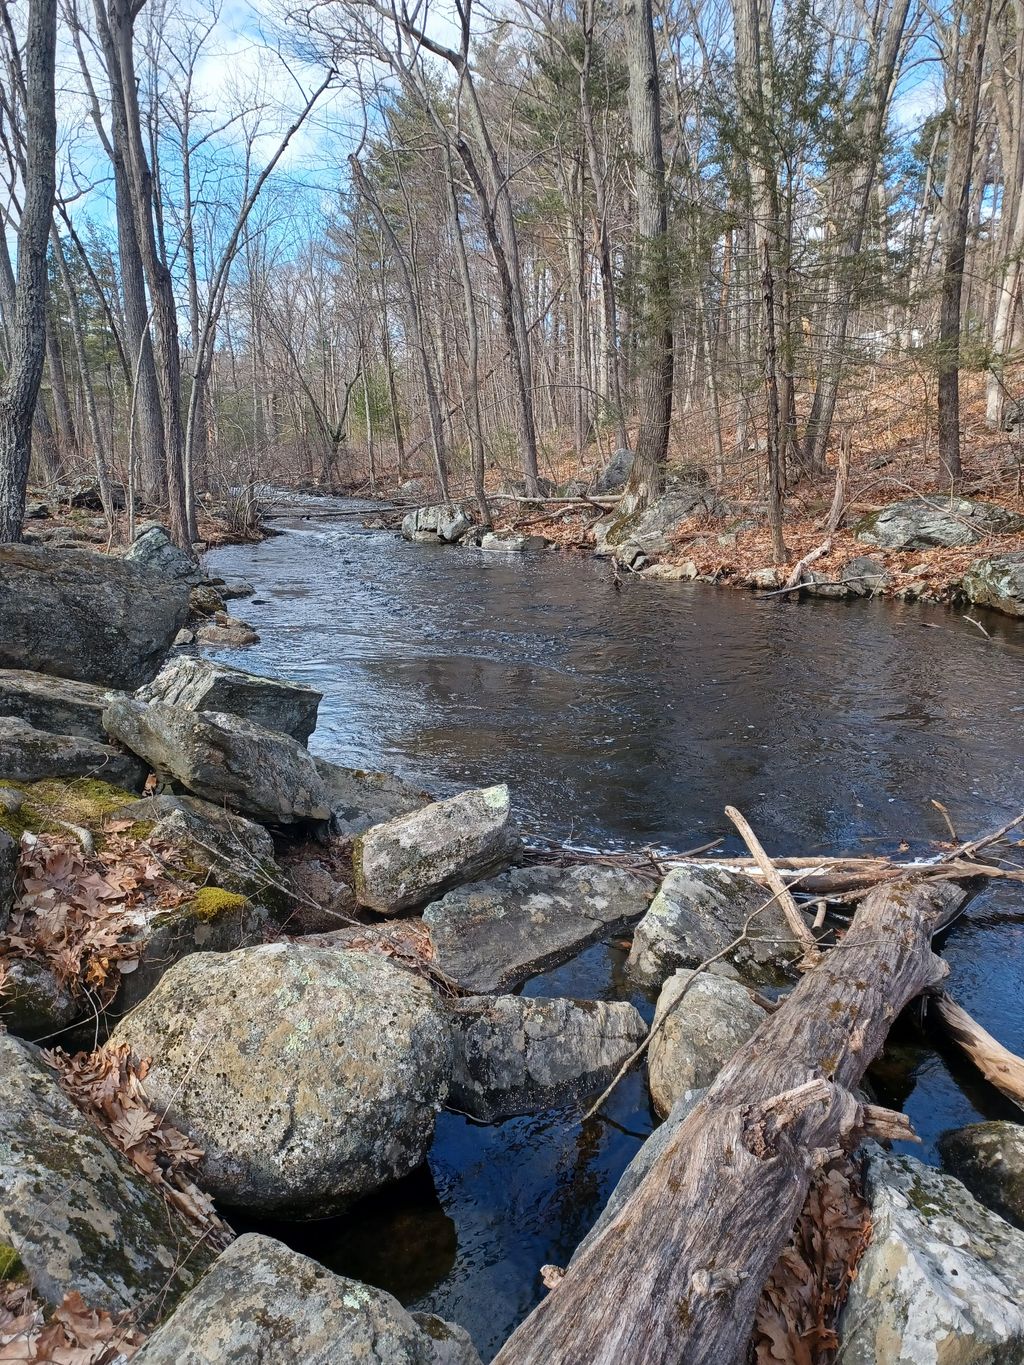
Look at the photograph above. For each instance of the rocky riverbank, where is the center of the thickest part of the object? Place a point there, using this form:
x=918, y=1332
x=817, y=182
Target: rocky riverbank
x=277, y=972
x=963, y=551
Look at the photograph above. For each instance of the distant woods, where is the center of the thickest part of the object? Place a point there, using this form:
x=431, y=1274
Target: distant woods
x=493, y=244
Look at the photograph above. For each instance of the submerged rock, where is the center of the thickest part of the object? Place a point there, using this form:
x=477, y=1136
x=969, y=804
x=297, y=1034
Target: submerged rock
x=78, y=615
x=698, y=912
x=154, y=549
x=516, y=1055
x=203, y=685
x=940, y=1281
x=997, y=583
x=493, y=935
x=360, y=799
x=31, y=755
x=406, y=862
x=704, y=1028
x=989, y=1159
x=445, y=524
x=918, y=523
x=319, y=1073
x=263, y=1302
x=78, y=1216
x=222, y=631
x=60, y=705
x=223, y=758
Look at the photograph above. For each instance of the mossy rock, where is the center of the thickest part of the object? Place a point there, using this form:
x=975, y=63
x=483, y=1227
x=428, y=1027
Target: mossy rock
x=83, y=801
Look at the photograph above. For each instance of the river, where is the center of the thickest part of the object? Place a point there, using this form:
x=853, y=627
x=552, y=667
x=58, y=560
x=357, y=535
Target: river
x=624, y=718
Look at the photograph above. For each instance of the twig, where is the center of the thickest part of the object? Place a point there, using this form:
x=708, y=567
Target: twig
x=949, y=823
x=979, y=625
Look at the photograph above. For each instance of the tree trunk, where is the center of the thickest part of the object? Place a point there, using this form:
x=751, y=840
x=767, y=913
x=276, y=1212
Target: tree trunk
x=20, y=388
x=675, y=1276
x=653, y=322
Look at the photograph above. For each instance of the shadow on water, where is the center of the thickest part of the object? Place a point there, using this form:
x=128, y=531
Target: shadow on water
x=623, y=719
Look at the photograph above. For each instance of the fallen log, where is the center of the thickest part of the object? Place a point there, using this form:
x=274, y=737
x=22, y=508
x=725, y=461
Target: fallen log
x=1000, y=1067
x=675, y=1277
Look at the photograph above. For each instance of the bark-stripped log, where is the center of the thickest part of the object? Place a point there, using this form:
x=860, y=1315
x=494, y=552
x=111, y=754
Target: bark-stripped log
x=676, y=1275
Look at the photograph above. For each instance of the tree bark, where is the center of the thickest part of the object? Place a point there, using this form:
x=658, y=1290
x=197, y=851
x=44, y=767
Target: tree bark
x=20, y=389
x=675, y=1277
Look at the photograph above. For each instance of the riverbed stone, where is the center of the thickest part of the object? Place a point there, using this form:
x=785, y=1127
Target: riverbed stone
x=445, y=523
x=709, y=1017
x=155, y=550
x=30, y=755
x=63, y=706
x=997, y=583
x=33, y=1002
x=493, y=935
x=222, y=631
x=320, y=1075
x=223, y=758
x=205, y=685
x=861, y=576
x=93, y=617
x=515, y=1055
x=406, y=862
x=698, y=912
x=940, y=1281
x=989, y=1159
x=263, y=1302
x=78, y=1215
x=511, y=542
x=917, y=523
x=359, y=799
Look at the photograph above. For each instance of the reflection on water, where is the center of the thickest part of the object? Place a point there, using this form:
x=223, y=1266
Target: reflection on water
x=631, y=718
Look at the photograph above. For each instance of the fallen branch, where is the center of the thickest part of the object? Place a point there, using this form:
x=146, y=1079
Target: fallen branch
x=1000, y=1067
x=794, y=918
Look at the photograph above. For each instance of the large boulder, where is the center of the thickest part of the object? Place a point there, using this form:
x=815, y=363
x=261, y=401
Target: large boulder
x=78, y=615
x=236, y=853
x=444, y=524
x=918, y=523
x=997, y=583
x=263, y=1302
x=203, y=685
x=940, y=1281
x=861, y=576
x=616, y=472
x=406, y=862
x=223, y=758
x=30, y=755
x=154, y=549
x=709, y=1017
x=511, y=542
x=989, y=1159
x=516, y=1056
x=359, y=799
x=77, y=1215
x=697, y=913
x=308, y=1077
x=60, y=705
x=494, y=935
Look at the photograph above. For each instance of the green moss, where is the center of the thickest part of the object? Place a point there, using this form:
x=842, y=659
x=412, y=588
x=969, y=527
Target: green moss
x=81, y=801
x=212, y=901
x=11, y=1267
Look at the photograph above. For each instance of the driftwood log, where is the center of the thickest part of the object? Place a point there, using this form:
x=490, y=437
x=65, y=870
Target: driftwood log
x=675, y=1277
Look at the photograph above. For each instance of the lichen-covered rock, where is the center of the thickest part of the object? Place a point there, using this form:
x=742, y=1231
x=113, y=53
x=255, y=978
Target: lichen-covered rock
x=918, y=523
x=33, y=1002
x=360, y=799
x=634, y=538
x=709, y=1017
x=223, y=758
x=236, y=852
x=989, y=1159
x=698, y=912
x=203, y=685
x=154, y=548
x=495, y=934
x=30, y=755
x=408, y=861
x=308, y=1077
x=445, y=524
x=511, y=542
x=997, y=583
x=516, y=1056
x=263, y=1302
x=78, y=615
x=940, y=1281
x=60, y=705
x=79, y=1217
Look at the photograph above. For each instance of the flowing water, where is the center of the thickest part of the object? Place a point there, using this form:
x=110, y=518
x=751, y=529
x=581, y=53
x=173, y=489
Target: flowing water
x=625, y=718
